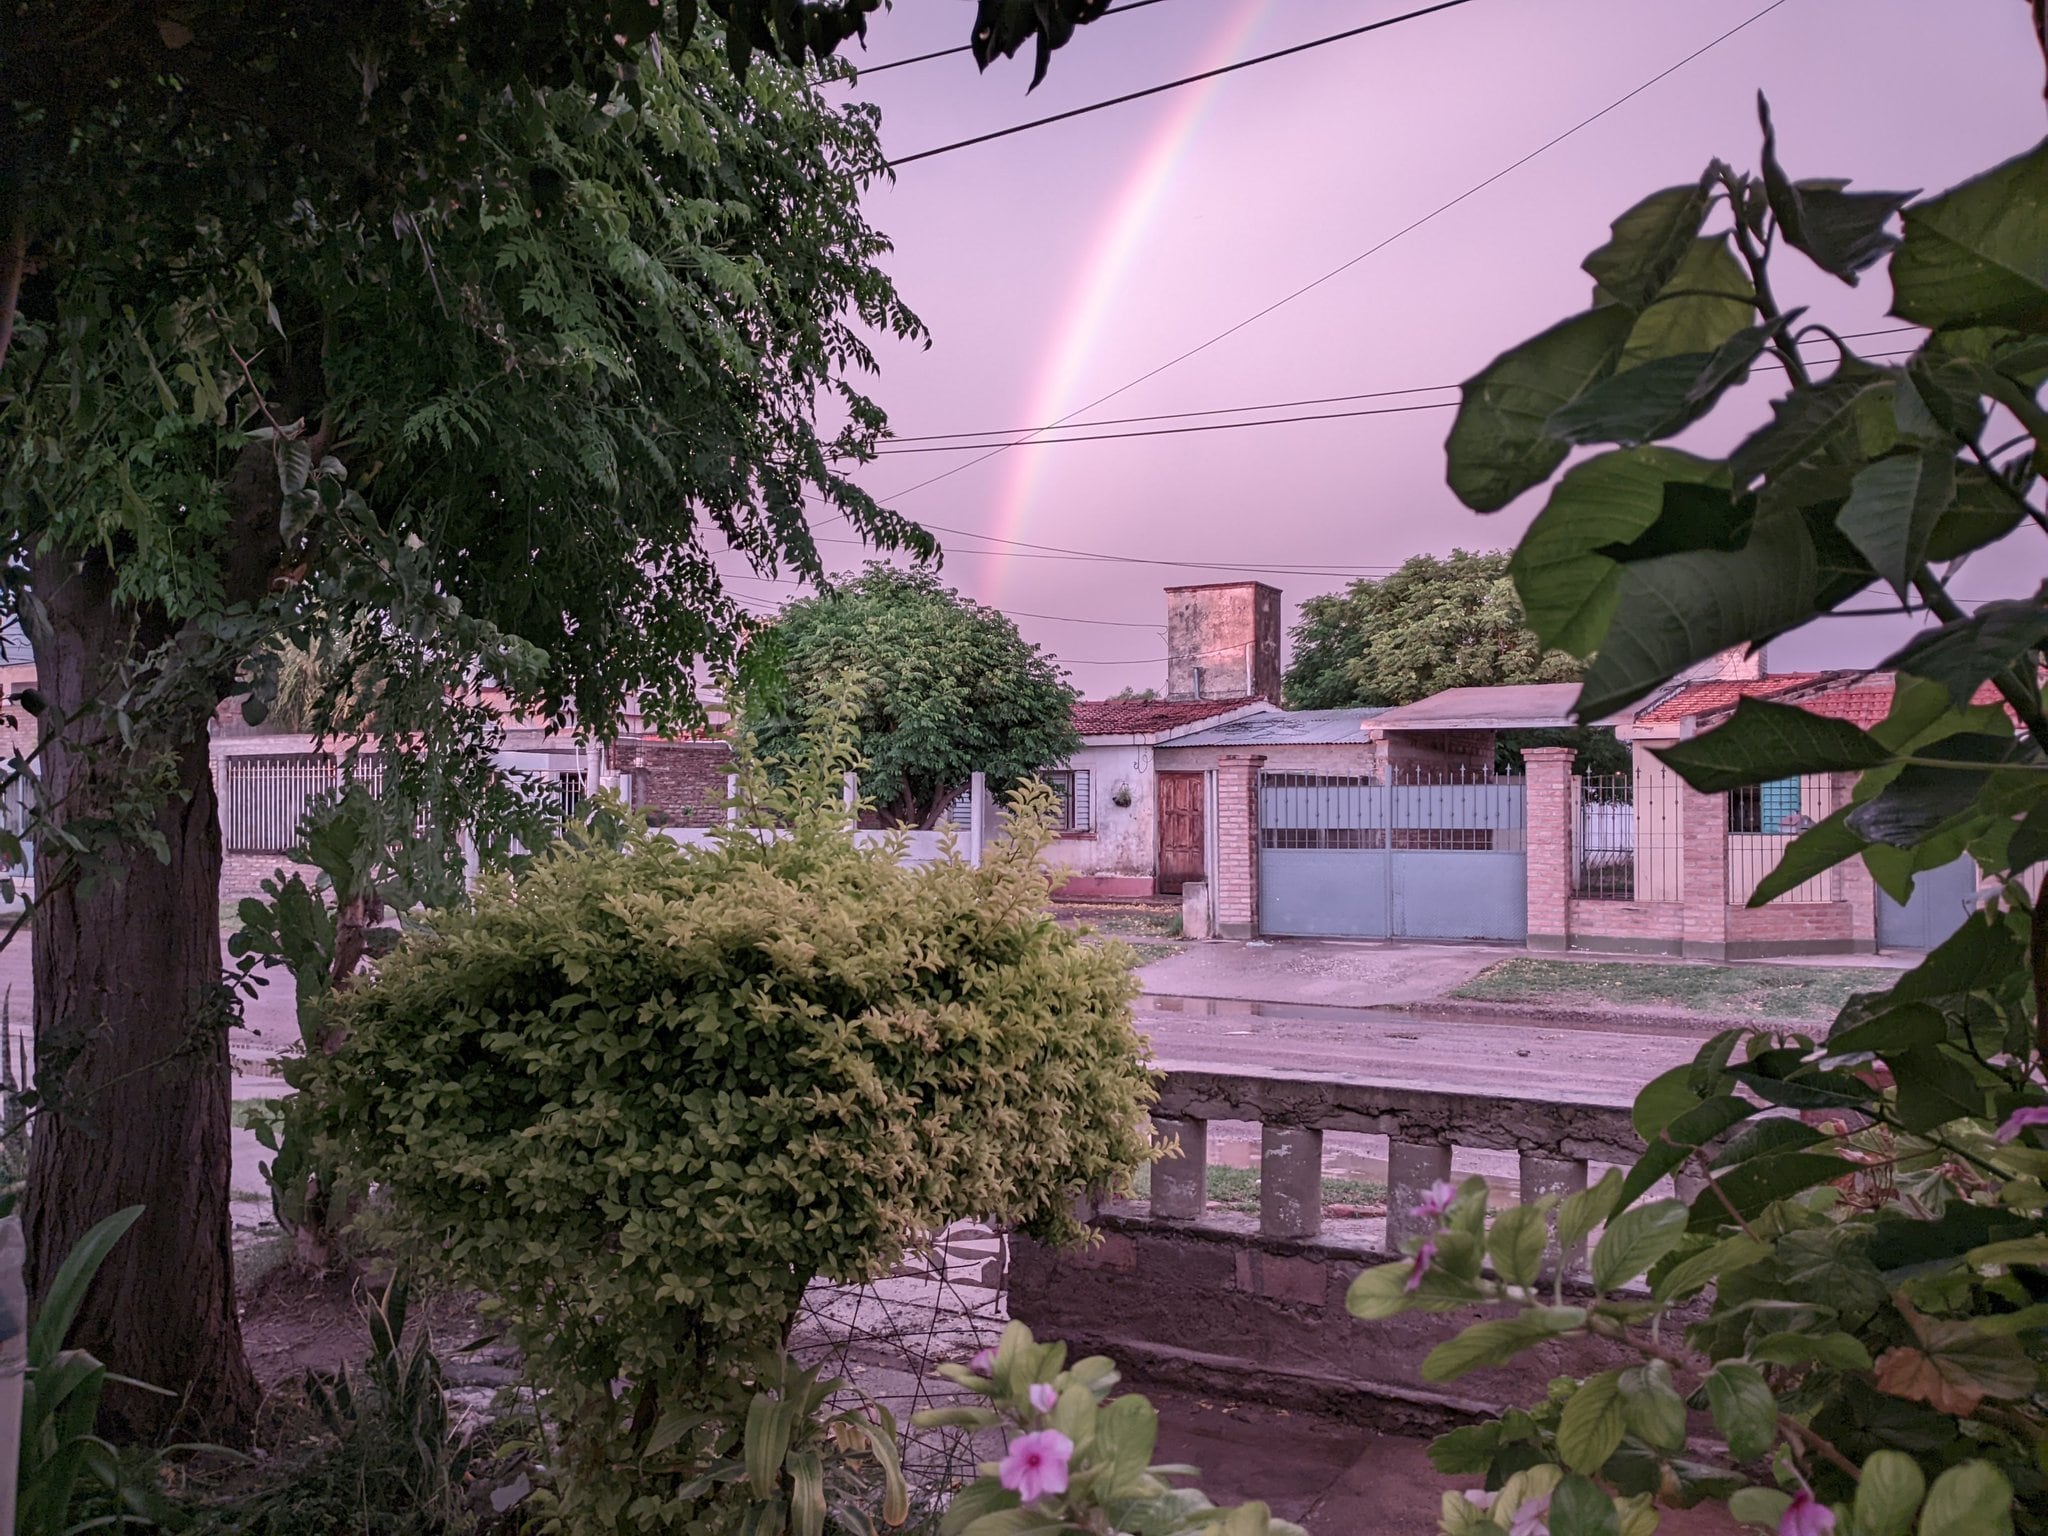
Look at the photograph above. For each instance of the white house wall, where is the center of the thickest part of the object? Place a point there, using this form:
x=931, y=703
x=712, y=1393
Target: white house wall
x=1125, y=840
x=1281, y=757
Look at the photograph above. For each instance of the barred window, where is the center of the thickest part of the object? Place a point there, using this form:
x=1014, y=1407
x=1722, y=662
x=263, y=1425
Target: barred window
x=1077, y=803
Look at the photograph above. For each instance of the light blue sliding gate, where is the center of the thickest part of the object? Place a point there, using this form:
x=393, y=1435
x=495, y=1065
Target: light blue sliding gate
x=1349, y=858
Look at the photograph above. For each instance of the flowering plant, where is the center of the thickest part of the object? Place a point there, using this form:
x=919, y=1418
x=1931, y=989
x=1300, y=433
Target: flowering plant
x=1075, y=1459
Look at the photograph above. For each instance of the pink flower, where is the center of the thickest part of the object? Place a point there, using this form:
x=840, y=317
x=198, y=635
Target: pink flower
x=1036, y=1464
x=984, y=1363
x=1043, y=1395
x=2020, y=1119
x=1479, y=1498
x=1529, y=1519
x=1806, y=1516
x=1436, y=1202
x=1424, y=1257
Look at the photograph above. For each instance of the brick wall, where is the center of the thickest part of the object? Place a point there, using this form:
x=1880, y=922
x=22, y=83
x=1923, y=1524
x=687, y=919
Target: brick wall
x=1237, y=846
x=1642, y=927
x=243, y=874
x=682, y=780
x=1791, y=927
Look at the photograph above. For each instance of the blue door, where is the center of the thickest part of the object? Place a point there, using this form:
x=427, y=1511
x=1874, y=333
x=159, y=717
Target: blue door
x=1941, y=899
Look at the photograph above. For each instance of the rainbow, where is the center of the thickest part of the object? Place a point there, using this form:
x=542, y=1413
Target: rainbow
x=1104, y=270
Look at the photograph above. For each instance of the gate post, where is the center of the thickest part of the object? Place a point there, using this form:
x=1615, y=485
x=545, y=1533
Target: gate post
x=1547, y=830
x=1237, y=845
x=1703, y=873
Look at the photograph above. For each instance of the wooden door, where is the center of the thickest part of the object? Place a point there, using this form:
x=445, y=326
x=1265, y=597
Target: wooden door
x=1180, y=830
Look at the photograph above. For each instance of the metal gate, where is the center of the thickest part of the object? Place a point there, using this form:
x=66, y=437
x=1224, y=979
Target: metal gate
x=1941, y=899
x=1349, y=858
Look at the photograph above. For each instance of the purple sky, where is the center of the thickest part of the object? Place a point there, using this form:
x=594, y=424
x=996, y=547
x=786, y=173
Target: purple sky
x=1060, y=264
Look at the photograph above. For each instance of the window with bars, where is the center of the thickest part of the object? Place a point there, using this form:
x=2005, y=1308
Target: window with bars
x=1077, y=803
x=1769, y=810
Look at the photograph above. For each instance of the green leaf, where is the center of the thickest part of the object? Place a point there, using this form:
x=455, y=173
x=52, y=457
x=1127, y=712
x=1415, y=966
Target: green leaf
x=1498, y=447
x=59, y=1304
x=1662, y=1100
x=1843, y=232
x=1762, y=1182
x=1498, y=1341
x=1723, y=1258
x=1651, y=1406
x=1679, y=609
x=1920, y=798
x=1664, y=396
x=1635, y=1240
x=1837, y=1351
x=1978, y=253
x=1567, y=583
x=1820, y=847
x=1972, y=1499
x=1763, y=741
x=1582, y=1212
x=1760, y=1506
x=1466, y=1450
x=1811, y=423
x=1380, y=1292
x=1707, y=300
x=1744, y=1409
x=1578, y=1508
x=1888, y=1494
x=1981, y=514
x=806, y=1492
x=1592, y=1425
x=1647, y=244
x=1965, y=654
x=1896, y=1029
x=1934, y=1088
x=1515, y=1243
x=1676, y=1142
x=1892, y=510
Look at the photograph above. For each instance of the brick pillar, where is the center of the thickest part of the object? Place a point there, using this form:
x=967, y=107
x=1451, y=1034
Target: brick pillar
x=1237, y=846
x=1855, y=885
x=1703, y=873
x=1547, y=829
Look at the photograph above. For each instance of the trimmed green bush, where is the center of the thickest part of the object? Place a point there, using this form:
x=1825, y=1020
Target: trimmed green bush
x=643, y=1094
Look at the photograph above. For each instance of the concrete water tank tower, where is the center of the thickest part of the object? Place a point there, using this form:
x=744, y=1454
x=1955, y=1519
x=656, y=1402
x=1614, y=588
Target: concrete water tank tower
x=1223, y=641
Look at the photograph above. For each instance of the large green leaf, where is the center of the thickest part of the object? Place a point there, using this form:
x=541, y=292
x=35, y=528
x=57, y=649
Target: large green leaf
x=1980, y=514
x=1762, y=1181
x=1972, y=1499
x=1978, y=253
x=1662, y=1100
x=1647, y=244
x=1707, y=300
x=1842, y=231
x=1676, y=1142
x=1744, y=1410
x=1568, y=587
x=1592, y=1424
x=1496, y=1342
x=1921, y=797
x=59, y=1304
x=1662, y=397
x=1820, y=847
x=1579, y=1508
x=1963, y=655
x=1893, y=508
x=1651, y=1406
x=1498, y=446
x=1934, y=1087
x=1635, y=1240
x=1762, y=741
x=1822, y=420
x=1674, y=611
x=1888, y=1494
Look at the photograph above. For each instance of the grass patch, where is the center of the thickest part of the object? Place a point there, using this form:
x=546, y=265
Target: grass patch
x=1122, y=922
x=1741, y=991
x=1237, y=1189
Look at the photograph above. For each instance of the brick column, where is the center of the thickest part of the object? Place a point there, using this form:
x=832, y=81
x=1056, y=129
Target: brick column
x=1855, y=885
x=1237, y=846
x=1547, y=831
x=1703, y=873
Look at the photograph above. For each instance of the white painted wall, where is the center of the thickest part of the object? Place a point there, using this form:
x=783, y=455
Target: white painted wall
x=1125, y=840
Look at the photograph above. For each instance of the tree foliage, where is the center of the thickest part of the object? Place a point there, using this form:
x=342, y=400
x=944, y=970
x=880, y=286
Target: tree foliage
x=1874, y=1353
x=947, y=688
x=1433, y=624
x=670, y=1086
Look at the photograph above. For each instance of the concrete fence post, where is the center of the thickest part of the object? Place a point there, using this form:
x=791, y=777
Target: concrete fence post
x=1548, y=831
x=1554, y=1176
x=732, y=799
x=1236, y=893
x=1411, y=1170
x=1180, y=1180
x=1290, y=1181
x=977, y=817
x=849, y=790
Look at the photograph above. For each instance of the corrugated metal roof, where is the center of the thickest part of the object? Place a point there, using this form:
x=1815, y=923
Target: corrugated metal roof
x=1513, y=707
x=1294, y=727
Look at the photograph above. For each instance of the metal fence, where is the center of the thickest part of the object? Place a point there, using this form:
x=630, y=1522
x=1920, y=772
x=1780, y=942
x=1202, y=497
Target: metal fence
x=1627, y=839
x=263, y=799
x=1763, y=820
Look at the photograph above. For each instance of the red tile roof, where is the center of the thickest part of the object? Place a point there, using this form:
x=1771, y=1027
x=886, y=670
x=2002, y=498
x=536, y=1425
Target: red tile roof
x=1862, y=707
x=1710, y=698
x=1142, y=717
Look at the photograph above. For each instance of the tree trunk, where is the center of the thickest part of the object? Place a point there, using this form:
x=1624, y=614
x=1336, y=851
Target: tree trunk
x=131, y=1020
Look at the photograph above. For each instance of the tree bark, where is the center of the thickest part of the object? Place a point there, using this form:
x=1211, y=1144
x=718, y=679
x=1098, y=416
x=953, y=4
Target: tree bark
x=131, y=1019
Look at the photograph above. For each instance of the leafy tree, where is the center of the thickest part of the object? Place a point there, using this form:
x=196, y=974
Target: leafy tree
x=1873, y=1353
x=1431, y=625
x=947, y=689
x=464, y=392
x=1134, y=696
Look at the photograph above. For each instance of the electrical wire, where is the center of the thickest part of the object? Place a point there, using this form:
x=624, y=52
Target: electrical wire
x=1285, y=405
x=1173, y=85
x=1381, y=245
x=864, y=70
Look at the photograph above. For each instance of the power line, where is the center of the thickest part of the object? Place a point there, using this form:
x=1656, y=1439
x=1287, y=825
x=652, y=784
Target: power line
x=1057, y=552
x=1173, y=85
x=1287, y=405
x=1406, y=229
x=1261, y=421
x=947, y=53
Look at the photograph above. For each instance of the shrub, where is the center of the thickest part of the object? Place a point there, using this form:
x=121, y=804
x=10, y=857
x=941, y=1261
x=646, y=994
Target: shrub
x=644, y=1094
